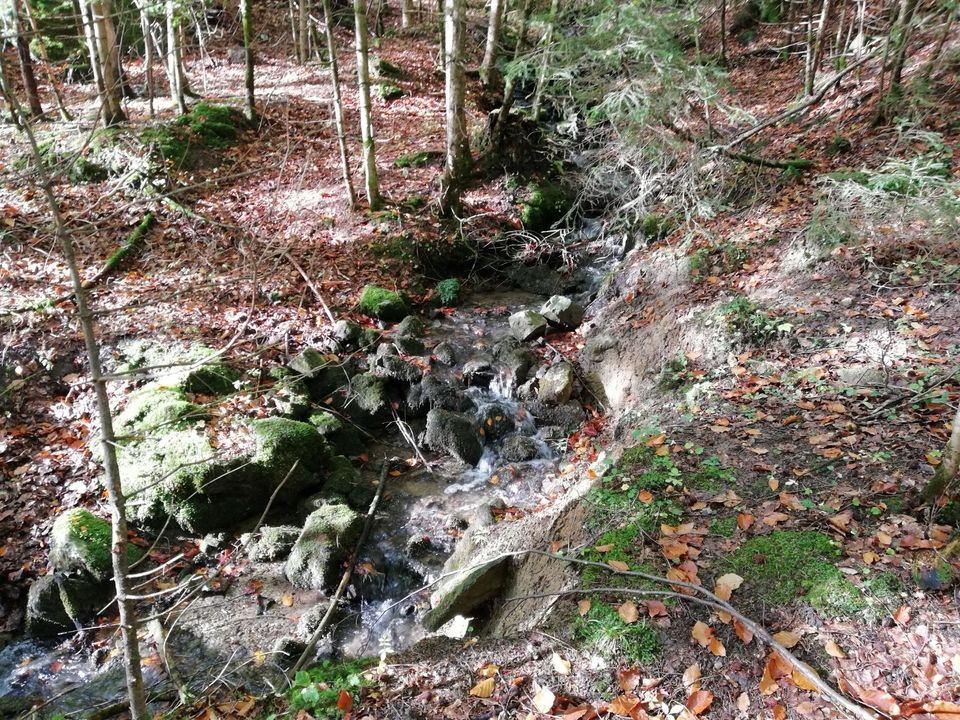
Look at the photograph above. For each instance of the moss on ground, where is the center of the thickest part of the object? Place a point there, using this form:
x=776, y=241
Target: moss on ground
x=604, y=632
x=545, y=204
x=793, y=564
x=205, y=127
x=724, y=527
x=156, y=408
x=383, y=304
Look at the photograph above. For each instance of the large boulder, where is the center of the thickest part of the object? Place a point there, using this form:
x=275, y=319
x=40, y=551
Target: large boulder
x=562, y=312
x=156, y=408
x=411, y=326
x=272, y=542
x=527, y=325
x=463, y=593
x=80, y=542
x=519, y=448
x=340, y=435
x=556, y=384
x=368, y=393
x=383, y=304
x=496, y=421
x=328, y=535
x=434, y=392
x=454, y=434
x=46, y=616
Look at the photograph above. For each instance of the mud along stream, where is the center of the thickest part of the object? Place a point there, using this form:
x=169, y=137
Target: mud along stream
x=489, y=406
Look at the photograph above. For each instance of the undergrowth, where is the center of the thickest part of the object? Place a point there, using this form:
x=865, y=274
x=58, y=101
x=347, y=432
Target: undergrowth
x=318, y=689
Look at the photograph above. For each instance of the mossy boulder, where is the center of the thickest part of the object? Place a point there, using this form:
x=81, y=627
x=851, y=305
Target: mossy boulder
x=347, y=334
x=519, y=448
x=454, y=434
x=46, y=615
x=81, y=542
x=445, y=353
x=368, y=393
x=409, y=345
x=273, y=542
x=212, y=379
x=328, y=535
x=323, y=374
x=434, y=392
x=556, y=384
x=340, y=435
x=545, y=204
x=562, y=312
x=344, y=480
x=527, y=325
x=411, y=326
x=281, y=443
x=383, y=304
x=157, y=407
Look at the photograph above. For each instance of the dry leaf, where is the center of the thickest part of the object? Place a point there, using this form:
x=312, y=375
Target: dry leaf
x=787, y=638
x=604, y=548
x=488, y=671
x=583, y=607
x=902, y=615
x=833, y=650
x=655, y=608
x=286, y=600
x=344, y=702
x=618, y=565
x=699, y=701
x=745, y=520
x=624, y=705
x=484, y=688
x=717, y=648
x=726, y=584
x=702, y=633
x=543, y=700
x=629, y=679
x=560, y=666
x=841, y=521
x=773, y=484
x=743, y=632
x=802, y=681
x=743, y=702
x=628, y=612
x=691, y=677
x=779, y=712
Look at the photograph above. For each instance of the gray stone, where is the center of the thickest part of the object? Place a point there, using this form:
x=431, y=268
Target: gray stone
x=434, y=392
x=445, y=353
x=527, y=325
x=518, y=448
x=515, y=358
x=409, y=345
x=411, y=325
x=273, y=542
x=308, y=362
x=212, y=543
x=347, y=334
x=287, y=650
x=556, y=384
x=328, y=535
x=81, y=542
x=369, y=394
x=562, y=312
x=396, y=368
x=344, y=480
x=568, y=416
x=478, y=372
x=46, y=616
x=454, y=434
x=339, y=434
x=496, y=422
x=465, y=592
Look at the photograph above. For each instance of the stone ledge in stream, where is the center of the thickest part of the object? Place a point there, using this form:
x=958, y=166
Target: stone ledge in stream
x=463, y=593
x=455, y=434
x=328, y=535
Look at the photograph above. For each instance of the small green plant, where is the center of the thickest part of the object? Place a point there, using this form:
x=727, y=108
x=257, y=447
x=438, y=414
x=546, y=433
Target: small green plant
x=605, y=632
x=318, y=689
x=654, y=228
x=754, y=324
x=389, y=91
x=448, y=291
x=206, y=126
x=724, y=527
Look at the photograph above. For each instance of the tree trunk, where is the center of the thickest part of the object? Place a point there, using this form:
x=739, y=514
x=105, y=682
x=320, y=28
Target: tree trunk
x=119, y=540
x=927, y=71
x=545, y=61
x=303, y=30
x=42, y=47
x=458, y=146
x=143, y=7
x=292, y=13
x=26, y=63
x=901, y=38
x=946, y=473
x=173, y=59
x=406, y=14
x=496, y=132
x=338, y=105
x=108, y=57
x=366, y=122
x=816, y=52
x=723, y=31
x=488, y=68
x=246, y=11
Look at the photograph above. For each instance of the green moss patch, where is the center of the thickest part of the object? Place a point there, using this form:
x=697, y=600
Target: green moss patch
x=545, y=204
x=418, y=159
x=156, y=408
x=82, y=541
x=797, y=564
x=383, y=304
x=604, y=632
x=205, y=127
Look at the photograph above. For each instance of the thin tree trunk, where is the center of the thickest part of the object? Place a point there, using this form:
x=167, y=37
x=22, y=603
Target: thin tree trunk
x=173, y=59
x=108, y=54
x=808, y=60
x=294, y=34
x=303, y=31
x=143, y=7
x=496, y=134
x=246, y=12
x=900, y=42
x=949, y=468
x=91, y=41
x=488, y=68
x=338, y=105
x=458, y=147
x=927, y=71
x=366, y=123
x=26, y=63
x=42, y=47
x=545, y=61
x=723, y=31
x=128, y=616
x=817, y=51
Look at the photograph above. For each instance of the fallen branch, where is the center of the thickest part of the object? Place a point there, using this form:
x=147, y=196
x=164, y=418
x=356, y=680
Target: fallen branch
x=345, y=580
x=908, y=398
x=311, y=285
x=788, y=164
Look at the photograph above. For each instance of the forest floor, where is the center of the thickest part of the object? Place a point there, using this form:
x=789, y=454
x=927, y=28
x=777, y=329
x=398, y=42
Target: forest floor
x=826, y=429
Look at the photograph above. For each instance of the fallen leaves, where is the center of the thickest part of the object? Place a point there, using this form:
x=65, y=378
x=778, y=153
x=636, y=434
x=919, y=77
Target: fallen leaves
x=628, y=612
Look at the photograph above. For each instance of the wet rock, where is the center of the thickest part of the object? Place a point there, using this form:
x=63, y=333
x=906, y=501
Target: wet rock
x=496, y=422
x=556, y=384
x=46, y=616
x=281, y=444
x=434, y=392
x=383, y=304
x=212, y=543
x=396, y=368
x=568, y=416
x=273, y=542
x=463, y=593
x=369, y=338
x=516, y=359
x=83, y=596
x=536, y=279
x=328, y=535
x=338, y=433
x=454, y=434
x=369, y=394
x=445, y=353
x=527, y=325
x=347, y=334
x=478, y=372
x=409, y=345
x=80, y=541
x=420, y=547
x=344, y=480
x=411, y=326
x=518, y=448
x=562, y=312
x=287, y=650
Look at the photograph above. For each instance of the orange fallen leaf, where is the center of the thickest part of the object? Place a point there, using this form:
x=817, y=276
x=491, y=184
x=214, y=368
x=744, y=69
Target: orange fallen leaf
x=604, y=548
x=841, y=521
x=745, y=520
x=833, y=650
x=779, y=712
x=786, y=638
x=691, y=677
x=344, y=702
x=801, y=681
x=628, y=612
x=743, y=632
x=624, y=705
x=699, y=701
x=717, y=648
x=726, y=584
x=655, y=608
x=902, y=615
x=484, y=688
x=702, y=633
x=618, y=565
x=286, y=600
x=583, y=607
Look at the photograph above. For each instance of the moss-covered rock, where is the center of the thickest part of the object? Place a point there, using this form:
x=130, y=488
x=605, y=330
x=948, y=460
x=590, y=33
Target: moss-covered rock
x=411, y=326
x=369, y=393
x=339, y=434
x=545, y=204
x=273, y=542
x=519, y=448
x=556, y=384
x=207, y=127
x=80, y=541
x=281, y=443
x=46, y=616
x=463, y=593
x=212, y=379
x=156, y=408
x=383, y=304
x=527, y=325
x=328, y=535
x=344, y=480
x=454, y=434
